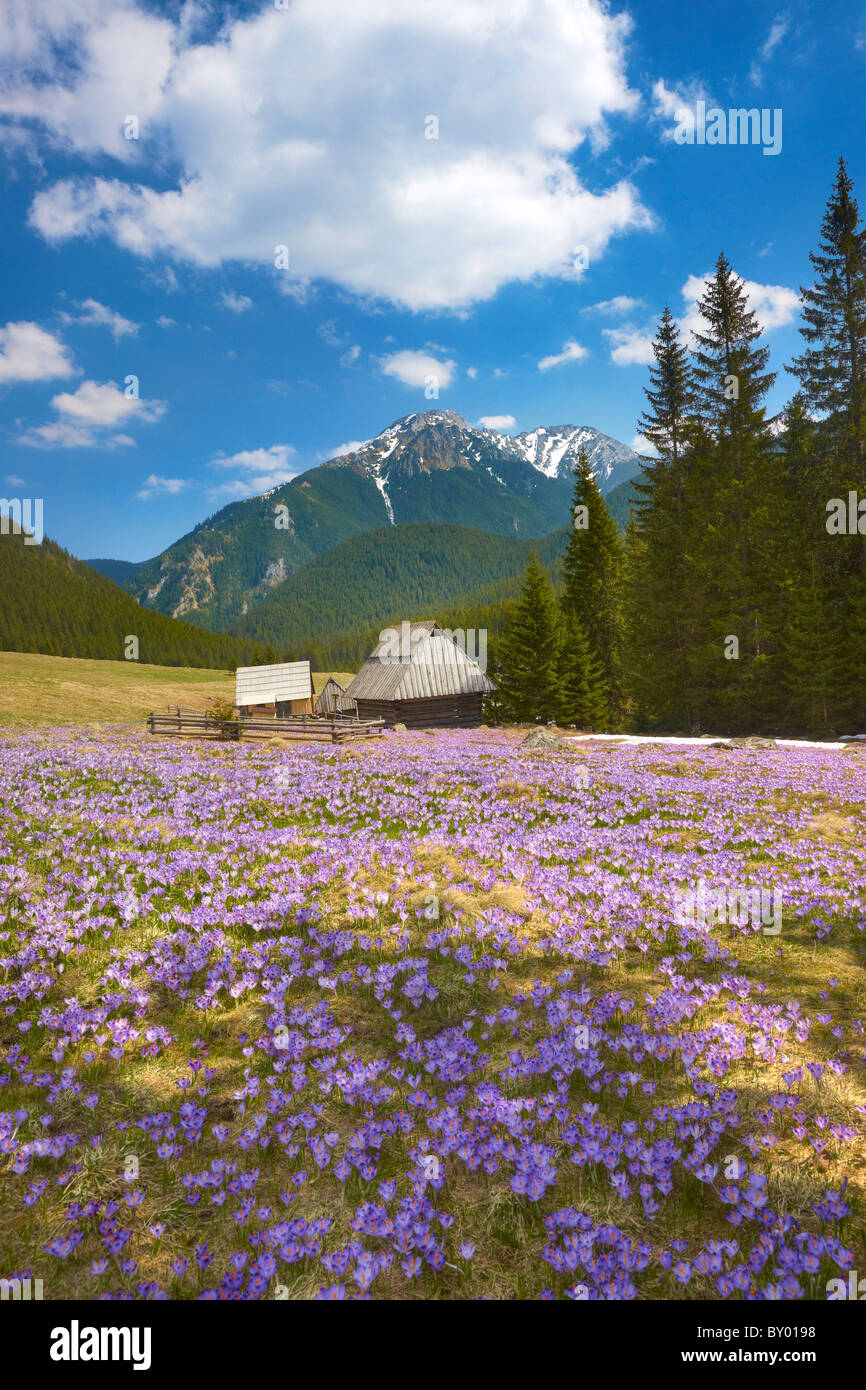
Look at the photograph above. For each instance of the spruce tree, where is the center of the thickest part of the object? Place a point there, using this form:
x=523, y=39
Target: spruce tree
x=832, y=374
x=671, y=396
x=812, y=652
x=592, y=569
x=832, y=369
x=659, y=607
x=527, y=656
x=738, y=577
x=583, y=690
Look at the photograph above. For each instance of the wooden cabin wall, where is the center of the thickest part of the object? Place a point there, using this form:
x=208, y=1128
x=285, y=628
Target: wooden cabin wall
x=439, y=712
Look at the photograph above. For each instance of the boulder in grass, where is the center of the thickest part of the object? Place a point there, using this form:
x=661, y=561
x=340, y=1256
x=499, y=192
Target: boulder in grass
x=399, y=728
x=542, y=737
x=752, y=741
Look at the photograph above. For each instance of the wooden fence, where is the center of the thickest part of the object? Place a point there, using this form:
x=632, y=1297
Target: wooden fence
x=296, y=726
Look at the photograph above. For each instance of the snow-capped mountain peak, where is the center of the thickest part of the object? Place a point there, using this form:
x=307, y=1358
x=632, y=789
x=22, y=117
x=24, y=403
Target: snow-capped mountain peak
x=553, y=450
x=489, y=478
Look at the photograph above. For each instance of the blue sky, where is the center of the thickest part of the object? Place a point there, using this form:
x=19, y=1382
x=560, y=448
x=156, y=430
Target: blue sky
x=521, y=257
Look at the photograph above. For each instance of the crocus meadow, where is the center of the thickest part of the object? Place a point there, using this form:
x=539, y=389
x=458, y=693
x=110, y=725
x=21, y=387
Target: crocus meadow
x=422, y=1019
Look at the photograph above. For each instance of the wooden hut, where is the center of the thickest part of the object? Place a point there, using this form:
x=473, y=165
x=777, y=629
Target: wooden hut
x=423, y=679
x=332, y=699
x=265, y=691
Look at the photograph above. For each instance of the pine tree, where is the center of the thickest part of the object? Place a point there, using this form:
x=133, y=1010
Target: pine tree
x=592, y=569
x=832, y=370
x=527, y=657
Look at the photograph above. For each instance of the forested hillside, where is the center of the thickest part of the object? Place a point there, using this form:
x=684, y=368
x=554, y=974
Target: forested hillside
x=333, y=609
x=57, y=605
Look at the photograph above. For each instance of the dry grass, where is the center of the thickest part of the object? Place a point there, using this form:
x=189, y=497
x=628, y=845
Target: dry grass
x=43, y=690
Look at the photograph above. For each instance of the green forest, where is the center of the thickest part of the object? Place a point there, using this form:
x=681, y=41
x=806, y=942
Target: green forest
x=56, y=605
x=737, y=600
x=384, y=576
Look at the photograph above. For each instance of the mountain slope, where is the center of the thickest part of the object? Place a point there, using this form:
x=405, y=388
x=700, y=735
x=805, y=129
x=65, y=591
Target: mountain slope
x=121, y=571
x=333, y=609
x=619, y=502
x=56, y=605
x=430, y=467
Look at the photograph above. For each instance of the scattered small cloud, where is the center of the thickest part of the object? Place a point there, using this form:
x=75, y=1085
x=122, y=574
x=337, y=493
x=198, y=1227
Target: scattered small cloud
x=328, y=331
x=277, y=455
x=351, y=356
x=418, y=368
x=571, y=352
x=88, y=414
x=472, y=372
x=14, y=481
x=155, y=485
x=64, y=434
x=629, y=346
x=610, y=308
x=165, y=279
x=677, y=104
x=165, y=322
x=235, y=303
x=778, y=29
x=103, y=404
x=268, y=469
x=497, y=422
x=351, y=447
x=100, y=316
x=30, y=353
x=641, y=445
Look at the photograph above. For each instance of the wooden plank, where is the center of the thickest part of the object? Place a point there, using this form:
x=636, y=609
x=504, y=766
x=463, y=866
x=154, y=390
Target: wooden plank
x=299, y=727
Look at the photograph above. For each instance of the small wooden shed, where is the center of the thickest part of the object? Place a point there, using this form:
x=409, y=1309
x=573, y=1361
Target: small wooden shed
x=423, y=679
x=265, y=691
x=332, y=699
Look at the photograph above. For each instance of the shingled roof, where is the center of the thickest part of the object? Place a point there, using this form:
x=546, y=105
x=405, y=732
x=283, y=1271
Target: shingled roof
x=420, y=662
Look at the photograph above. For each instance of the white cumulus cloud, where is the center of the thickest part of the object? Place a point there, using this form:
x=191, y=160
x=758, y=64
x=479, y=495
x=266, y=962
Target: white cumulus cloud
x=629, y=346
x=418, y=368
x=497, y=422
x=263, y=160
x=29, y=353
x=571, y=352
x=267, y=468
x=88, y=414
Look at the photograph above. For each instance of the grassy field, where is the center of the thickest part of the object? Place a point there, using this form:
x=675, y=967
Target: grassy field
x=40, y=690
